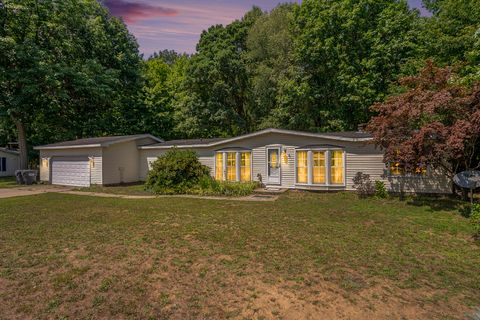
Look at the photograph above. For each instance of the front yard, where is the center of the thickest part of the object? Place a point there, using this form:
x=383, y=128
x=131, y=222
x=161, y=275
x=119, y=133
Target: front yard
x=8, y=182
x=303, y=256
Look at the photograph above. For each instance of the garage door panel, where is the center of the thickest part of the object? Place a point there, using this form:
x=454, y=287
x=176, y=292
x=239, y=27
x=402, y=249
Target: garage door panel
x=71, y=172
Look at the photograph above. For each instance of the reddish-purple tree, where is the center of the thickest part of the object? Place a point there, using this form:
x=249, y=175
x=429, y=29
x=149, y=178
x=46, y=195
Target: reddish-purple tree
x=435, y=122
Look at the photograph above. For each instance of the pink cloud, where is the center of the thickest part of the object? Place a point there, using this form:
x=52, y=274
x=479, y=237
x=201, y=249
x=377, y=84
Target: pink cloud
x=132, y=12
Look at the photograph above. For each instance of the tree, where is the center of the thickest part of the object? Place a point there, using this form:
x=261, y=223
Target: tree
x=216, y=86
x=67, y=70
x=351, y=52
x=162, y=82
x=435, y=122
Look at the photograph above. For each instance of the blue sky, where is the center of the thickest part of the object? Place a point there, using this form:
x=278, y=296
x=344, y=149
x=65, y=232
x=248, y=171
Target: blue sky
x=177, y=24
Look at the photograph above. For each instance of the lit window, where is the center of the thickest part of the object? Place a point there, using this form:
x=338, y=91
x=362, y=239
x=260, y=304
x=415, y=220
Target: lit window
x=231, y=166
x=302, y=167
x=319, y=167
x=219, y=166
x=398, y=169
x=336, y=167
x=245, y=166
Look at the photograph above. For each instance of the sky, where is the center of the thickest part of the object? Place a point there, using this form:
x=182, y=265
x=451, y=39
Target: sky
x=177, y=24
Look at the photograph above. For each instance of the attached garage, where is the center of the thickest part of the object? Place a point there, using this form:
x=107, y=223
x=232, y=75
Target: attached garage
x=93, y=161
x=71, y=171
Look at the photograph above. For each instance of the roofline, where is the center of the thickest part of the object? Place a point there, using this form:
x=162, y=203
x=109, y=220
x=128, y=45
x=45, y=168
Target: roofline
x=254, y=134
x=10, y=151
x=98, y=145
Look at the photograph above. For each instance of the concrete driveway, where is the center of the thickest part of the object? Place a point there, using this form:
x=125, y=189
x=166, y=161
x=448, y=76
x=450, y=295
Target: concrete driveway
x=31, y=190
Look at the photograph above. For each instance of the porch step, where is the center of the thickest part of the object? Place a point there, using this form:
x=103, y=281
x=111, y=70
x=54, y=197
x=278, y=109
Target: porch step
x=270, y=190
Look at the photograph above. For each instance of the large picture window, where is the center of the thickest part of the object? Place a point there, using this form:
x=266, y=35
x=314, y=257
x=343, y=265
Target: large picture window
x=336, y=167
x=245, y=166
x=219, y=166
x=302, y=167
x=319, y=167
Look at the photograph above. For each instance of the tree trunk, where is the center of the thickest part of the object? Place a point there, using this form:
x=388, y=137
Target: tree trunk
x=22, y=144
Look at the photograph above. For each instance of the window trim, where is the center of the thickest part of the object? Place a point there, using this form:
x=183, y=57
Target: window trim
x=237, y=164
x=327, y=151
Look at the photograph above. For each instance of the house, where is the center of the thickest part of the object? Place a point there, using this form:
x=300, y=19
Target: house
x=9, y=162
x=93, y=161
x=278, y=158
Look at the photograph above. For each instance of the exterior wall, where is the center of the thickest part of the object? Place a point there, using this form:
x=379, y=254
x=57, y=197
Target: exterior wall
x=359, y=157
x=121, y=163
x=95, y=154
x=12, y=163
x=148, y=156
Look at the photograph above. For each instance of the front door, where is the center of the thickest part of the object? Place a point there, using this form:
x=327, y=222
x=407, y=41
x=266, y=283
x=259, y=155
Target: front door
x=273, y=167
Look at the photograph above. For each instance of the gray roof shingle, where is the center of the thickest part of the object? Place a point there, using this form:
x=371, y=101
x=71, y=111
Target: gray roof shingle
x=100, y=141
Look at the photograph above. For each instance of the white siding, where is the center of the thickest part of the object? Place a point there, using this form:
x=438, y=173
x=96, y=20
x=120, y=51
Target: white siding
x=121, y=162
x=12, y=163
x=93, y=153
x=359, y=157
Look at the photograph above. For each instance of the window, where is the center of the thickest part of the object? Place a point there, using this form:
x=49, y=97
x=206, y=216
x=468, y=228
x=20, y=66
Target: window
x=319, y=167
x=336, y=167
x=219, y=166
x=245, y=166
x=302, y=167
x=3, y=164
x=231, y=166
x=398, y=169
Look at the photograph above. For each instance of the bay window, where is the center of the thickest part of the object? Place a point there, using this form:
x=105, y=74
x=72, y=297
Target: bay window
x=322, y=166
x=233, y=166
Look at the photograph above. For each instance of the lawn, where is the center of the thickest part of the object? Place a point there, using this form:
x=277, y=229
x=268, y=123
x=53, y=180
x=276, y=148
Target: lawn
x=305, y=256
x=133, y=190
x=8, y=182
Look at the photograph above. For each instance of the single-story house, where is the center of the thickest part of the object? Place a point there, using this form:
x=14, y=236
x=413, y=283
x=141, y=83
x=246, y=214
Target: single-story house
x=278, y=158
x=9, y=162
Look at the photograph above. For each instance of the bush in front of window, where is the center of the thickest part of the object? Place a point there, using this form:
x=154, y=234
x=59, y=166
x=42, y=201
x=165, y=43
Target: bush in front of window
x=475, y=220
x=207, y=186
x=380, y=189
x=363, y=185
x=175, y=172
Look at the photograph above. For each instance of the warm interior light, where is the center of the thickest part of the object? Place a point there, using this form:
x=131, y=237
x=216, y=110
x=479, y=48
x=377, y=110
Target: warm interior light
x=284, y=157
x=92, y=163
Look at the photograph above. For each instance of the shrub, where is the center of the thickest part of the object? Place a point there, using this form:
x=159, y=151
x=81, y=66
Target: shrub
x=363, y=185
x=208, y=186
x=380, y=189
x=175, y=172
x=475, y=219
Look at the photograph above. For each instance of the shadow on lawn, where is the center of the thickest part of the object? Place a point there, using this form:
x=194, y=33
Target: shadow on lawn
x=440, y=203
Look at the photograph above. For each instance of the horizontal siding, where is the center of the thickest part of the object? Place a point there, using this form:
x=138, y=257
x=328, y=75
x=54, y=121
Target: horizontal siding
x=96, y=171
x=259, y=160
x=12, y=162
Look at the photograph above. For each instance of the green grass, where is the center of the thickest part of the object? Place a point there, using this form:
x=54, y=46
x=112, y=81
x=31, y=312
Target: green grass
x=85, y=257
x=135, y=189
x=8, y=182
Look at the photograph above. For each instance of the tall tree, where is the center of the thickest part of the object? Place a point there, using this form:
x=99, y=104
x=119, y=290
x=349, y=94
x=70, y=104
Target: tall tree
x=351, y=51
x=67, y=69
x=217, y=82
x=434, y=122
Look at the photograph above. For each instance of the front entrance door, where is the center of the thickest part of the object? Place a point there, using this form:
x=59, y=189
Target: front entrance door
x=273, y=167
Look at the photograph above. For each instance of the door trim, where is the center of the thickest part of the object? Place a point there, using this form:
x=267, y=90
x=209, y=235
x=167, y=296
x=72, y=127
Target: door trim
x=279, y=150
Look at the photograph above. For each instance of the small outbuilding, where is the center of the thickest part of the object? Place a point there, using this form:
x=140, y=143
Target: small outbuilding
x=100, y=161
x=9, y=162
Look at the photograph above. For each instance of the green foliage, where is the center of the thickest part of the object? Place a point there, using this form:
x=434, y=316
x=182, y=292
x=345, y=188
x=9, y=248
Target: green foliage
x=175, y=172
x=68, y=69
x=475, y=219
x=211, y=187
x=380, y=189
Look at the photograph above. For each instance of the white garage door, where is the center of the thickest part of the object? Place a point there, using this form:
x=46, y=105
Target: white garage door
x=71, y=172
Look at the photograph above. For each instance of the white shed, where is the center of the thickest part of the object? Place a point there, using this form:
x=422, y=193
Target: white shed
x=9, y=162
